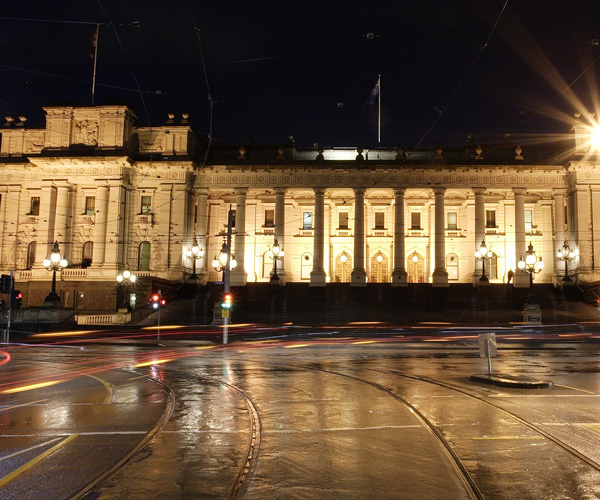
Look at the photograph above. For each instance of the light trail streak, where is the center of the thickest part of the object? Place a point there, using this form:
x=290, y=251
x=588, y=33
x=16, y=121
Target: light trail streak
x=6, y=357
x=31, y=387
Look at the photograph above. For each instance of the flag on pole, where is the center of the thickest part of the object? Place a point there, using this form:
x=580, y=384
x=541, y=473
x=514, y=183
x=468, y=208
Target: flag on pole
x=374, y=93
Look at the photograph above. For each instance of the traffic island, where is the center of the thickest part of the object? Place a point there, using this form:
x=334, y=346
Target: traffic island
x=511, y=381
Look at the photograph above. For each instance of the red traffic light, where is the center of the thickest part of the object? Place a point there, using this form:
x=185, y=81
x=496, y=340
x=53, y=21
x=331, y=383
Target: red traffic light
x=163, y=302
x=155, y=298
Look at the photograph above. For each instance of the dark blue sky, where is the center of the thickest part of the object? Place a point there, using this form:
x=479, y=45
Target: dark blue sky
x=307, y=68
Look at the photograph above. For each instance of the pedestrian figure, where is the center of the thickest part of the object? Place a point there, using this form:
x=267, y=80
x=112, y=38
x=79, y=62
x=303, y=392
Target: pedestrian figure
x=510, y=275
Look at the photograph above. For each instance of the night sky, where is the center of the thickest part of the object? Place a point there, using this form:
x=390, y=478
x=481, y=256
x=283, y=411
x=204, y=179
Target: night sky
x=308, y=68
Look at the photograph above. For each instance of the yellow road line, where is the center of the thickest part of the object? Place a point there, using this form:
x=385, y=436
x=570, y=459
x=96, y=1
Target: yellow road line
x=9, y=477
x=506, y=437
x=105, y=384
x=593, y=427
x=574, y=389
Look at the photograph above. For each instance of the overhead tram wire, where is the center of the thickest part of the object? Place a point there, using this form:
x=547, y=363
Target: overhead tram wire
x=210, y=99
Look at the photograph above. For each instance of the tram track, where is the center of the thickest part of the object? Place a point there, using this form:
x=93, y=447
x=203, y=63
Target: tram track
x=559, y=442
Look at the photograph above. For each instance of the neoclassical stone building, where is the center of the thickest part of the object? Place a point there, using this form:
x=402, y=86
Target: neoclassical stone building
x=116, y=195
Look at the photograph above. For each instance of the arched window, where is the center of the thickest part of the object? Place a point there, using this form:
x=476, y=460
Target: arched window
x=452, y=266
x=491, y=267
x=379, y=268
x=306, y=264
x=267, y=266
x=415, y=268
x=144, y=256
x=30, y=255
x=87, y=253
x=343, y=268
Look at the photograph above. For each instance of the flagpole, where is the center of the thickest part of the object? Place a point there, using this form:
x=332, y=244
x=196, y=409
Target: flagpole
x=95, y=59
x=379, y=112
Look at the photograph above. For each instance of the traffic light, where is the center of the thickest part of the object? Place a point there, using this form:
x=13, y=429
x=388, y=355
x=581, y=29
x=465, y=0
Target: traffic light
x=226, y=304
x=16, y=299
x=156, y=301
x=5, y=283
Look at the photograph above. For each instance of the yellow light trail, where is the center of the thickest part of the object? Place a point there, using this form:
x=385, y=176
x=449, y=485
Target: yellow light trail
x=151, y=363
x=205, y=347
x=163, y=327
x=294, y=345
x=63, y=334
x=365, y=342
x=31, y=387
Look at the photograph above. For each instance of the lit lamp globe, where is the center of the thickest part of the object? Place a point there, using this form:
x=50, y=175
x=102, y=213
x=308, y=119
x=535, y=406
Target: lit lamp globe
x=379, y=257
x=521, y=264
x=47, y=262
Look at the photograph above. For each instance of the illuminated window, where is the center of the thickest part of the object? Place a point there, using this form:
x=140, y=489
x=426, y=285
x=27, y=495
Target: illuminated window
x=343, y=220
x=379, y=220
x=452, y=221
x=528, y=221
x=307, y=220
x=490, y=218
x=146, y=204
x=144, y=256
x=90, y=205
x=30, y=255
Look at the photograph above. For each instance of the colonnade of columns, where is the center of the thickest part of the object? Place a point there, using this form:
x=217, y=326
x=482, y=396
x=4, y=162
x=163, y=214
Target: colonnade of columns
x=439, y=276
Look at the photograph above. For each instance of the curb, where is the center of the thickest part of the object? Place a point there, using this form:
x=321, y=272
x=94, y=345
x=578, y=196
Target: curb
x=508, y=381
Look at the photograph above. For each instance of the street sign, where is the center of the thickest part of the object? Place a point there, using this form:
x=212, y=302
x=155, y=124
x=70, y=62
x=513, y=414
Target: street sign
x=487, y=340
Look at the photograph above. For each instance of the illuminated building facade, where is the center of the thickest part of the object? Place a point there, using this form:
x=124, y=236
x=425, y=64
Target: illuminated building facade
x=115, y=195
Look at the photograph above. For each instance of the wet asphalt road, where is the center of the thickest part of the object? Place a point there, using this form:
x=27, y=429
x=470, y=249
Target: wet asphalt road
x=307, y=419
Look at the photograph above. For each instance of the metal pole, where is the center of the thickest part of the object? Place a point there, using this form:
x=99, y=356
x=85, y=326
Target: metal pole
x=379, y=112
x=158, y=320
x=226, y=273
x=95, y=60
x=489, y=356
x=10, y=294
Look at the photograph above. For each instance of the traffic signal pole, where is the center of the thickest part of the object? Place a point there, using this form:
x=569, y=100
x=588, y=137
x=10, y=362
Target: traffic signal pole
x=10, y=293
x=226, y=274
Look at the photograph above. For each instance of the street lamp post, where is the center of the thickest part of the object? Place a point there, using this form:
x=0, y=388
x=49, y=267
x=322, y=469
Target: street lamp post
x=54, y=262
x=566, y=254
x=126, y=278
x=483, y=253
x=277, y=253
x=531, y=264
x=195, y=253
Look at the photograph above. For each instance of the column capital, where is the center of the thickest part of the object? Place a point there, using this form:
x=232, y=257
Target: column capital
x=202, y=191
x=439, y=190
x=559, y=191
x=240, y=190
x=478, y=190
x=280, y=190
x=319, y=190
x=519, y=190
x=359, y=190
x=401, y=191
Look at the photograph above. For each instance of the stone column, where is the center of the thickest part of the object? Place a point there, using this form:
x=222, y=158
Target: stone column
x=201, y=230
x=399, y=276
x=479, y=229
x=46, y=222
x=440, y=275
x=359, y=275
x=317, y=275
x=63, y=221
x=238, y=275
x=583, y=222
x=101, y=204
x=521, y=279
x=279, y=230
x=115, y=237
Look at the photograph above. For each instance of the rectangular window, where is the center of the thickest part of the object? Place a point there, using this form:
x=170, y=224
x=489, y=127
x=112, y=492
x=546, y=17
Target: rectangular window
x=452, y=221
x=379, y=220
x=528, y=221
x=232, y=219
x=90, y=205
x=34, y=208
x=490, y=218
x=343, y=220
x=307, y=220
x=269, y=218
x=146, y=204
x=415, y=220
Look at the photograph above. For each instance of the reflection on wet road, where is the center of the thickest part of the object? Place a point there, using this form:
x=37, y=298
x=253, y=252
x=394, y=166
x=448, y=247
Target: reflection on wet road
x=306, y=420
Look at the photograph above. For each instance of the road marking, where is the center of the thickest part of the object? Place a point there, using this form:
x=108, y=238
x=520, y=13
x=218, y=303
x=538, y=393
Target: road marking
x=593, y=427
x=343, y=429
x=106, y=386
x=23, y=404
x=575, y=389
x=9, y=477
x=29, y=449
x=505, y=437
